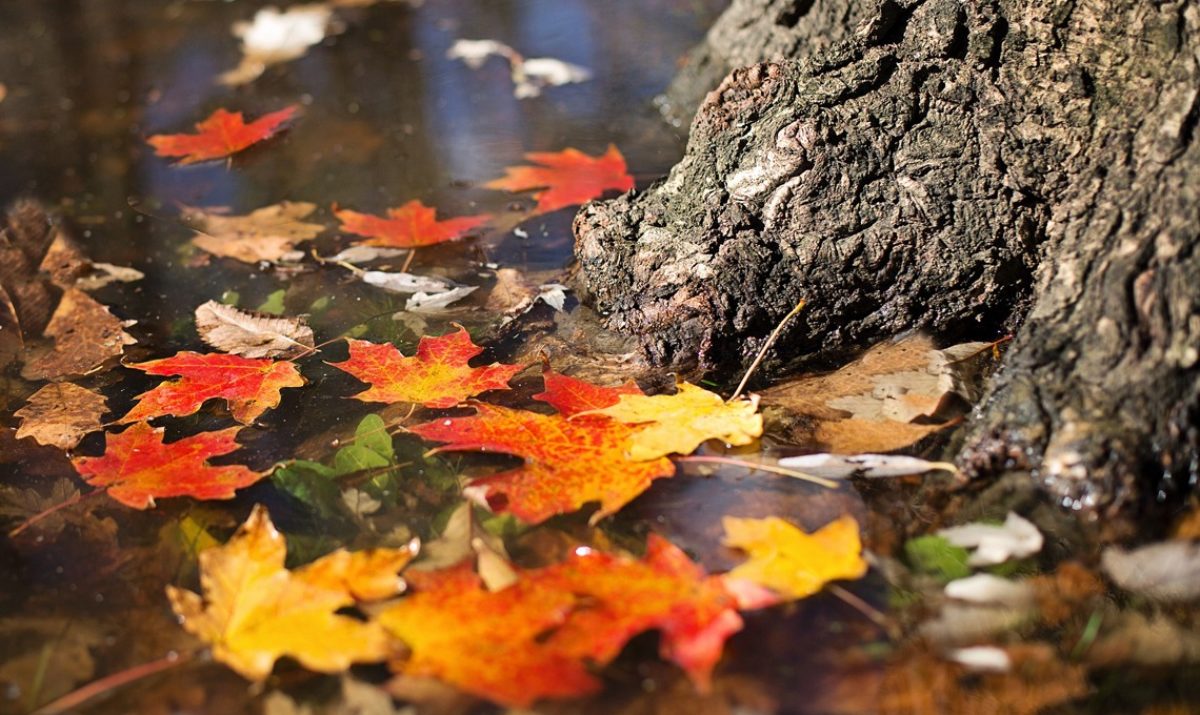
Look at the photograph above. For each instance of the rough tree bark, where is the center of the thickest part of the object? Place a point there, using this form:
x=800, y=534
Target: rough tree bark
x=952, y=166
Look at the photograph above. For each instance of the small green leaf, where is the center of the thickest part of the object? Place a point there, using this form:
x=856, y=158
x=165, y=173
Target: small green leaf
x=274, y=303
x=311, y=483
x=357, y=458
x=935, y=555
x=372, y=433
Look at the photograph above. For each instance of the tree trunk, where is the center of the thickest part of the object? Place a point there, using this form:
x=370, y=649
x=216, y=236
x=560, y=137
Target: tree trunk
x=956, y=167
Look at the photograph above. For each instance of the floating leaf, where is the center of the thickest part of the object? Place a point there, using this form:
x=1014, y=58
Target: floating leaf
x=250, y=334
x=566, y=178
x=412, y=225
x=277, y=36
x=870, y=466
x=1016, y=538
x=266, y=234
x=137, y=467
x=436, y=302
x=86, y=337
x=254, y=611
x=404, y=282
x=569, y=462
x=249, y=386
x=436, y=376
x=790, y=562
x=61, y=414
x=223, y=134
x=681, y=422
x=529, y=76
x=571, y=396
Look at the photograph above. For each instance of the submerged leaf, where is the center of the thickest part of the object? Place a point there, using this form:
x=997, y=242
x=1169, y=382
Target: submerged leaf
x=250, y=334
x=61, y=414
x=223, y=134
x=266, y=234
x=436, y=376
x=254, y=611
x=566, y=178
x=86, y=337
x=137, y=467
x=790, y=562
x=249, y=386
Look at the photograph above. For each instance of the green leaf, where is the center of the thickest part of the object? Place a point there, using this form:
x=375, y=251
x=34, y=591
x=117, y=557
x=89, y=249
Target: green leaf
x=357, y=458
x=372, y=433
x=311, y=483
x=934, y=555
x=274, y=303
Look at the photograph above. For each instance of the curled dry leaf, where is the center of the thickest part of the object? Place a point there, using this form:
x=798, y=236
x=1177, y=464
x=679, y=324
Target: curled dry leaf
x=276, y=36
x=86, y=337
x=681, y=422
x=870, y=405
x=405, y=282
x=566, y=178
x=60, y=414
x=790, y=562
x=251, y=334
x=220, y=136
x=870, y=466
x=435, y=302
x=265, y=234
x=254, y=611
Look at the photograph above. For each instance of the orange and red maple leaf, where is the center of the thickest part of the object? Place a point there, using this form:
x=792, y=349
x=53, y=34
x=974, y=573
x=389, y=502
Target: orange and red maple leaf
x=221, y=135
x=566, y=178
x=438, y=375
x=137, y=467
x=249, y=386
x=412, y=225
x=571, y=396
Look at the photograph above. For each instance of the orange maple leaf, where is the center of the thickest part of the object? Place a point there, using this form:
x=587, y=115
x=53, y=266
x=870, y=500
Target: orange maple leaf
x=411, y=226
x=571, y=396
x=249, y=386
x=487, y=643
x=436, y=376
x=566, y=178
x=568, y=462
x=223, y=134
x=137, y=467
x=535, y=638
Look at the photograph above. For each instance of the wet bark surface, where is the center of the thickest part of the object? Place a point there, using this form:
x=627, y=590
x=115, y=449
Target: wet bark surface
x=961, y=168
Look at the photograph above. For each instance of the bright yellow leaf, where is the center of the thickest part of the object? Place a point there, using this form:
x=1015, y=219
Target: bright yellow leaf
x=255, y=611
x=679, y=423
x=790, y=562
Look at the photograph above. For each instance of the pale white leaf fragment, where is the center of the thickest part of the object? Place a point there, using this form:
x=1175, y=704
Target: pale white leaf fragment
x=276, y=36
x=529, y=76
x=360, y=503
x=356, y=255
x=251, y=334
x=405, y=282
x=432, y=302
x=981, y=658
x=494, y=570
x=104, y=273
x=837, y=466
x=1017, y=538
x=986, y=589
x=476, y=52
x=553, y=295
x=1167, y=571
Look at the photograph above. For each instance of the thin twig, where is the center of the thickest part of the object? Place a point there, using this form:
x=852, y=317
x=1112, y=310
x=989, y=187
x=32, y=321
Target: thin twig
x=763, y=351
x=71, y=701
x=772, y=468
x=52, y=510
x=873, y=614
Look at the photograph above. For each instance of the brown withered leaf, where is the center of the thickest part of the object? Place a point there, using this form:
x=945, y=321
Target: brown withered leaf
x=895, y=394
x=60, y=414
x=251, y=334
x=86, y=336
x=266, y=234
x=64, y=261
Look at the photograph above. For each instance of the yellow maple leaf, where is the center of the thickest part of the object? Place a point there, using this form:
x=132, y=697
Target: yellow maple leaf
x=255, y=611
x=679, y=423
x=790, y=562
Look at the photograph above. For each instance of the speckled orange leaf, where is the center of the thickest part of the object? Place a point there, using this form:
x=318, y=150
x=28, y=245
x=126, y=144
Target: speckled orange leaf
x=411, y=226
x=254, y=611
x=137, y=467
x=570, y=396
x=249, y=386
x=568, y=462
x=223, y=134
x=437, y=376
x=566, y=178
x=486, y=643
x=665, y=590
x=790, y=562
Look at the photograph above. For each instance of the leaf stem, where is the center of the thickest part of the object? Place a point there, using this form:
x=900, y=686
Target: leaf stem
x=763, y=351
x=51, y=510
x=71, y=701
x=772, y=468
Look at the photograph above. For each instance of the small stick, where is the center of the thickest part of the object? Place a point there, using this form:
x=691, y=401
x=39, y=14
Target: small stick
x=763, y=352
x=872, y=613
x=69, y=702
x=773, y=469
x=52, y=510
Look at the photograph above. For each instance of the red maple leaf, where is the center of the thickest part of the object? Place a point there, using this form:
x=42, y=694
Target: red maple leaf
x=566, y=178
x=249, y=386
x=568, y=462
x=411, y=226
x=223, y=134
x=137, y=467
x=570, y=396
x=436, y=376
